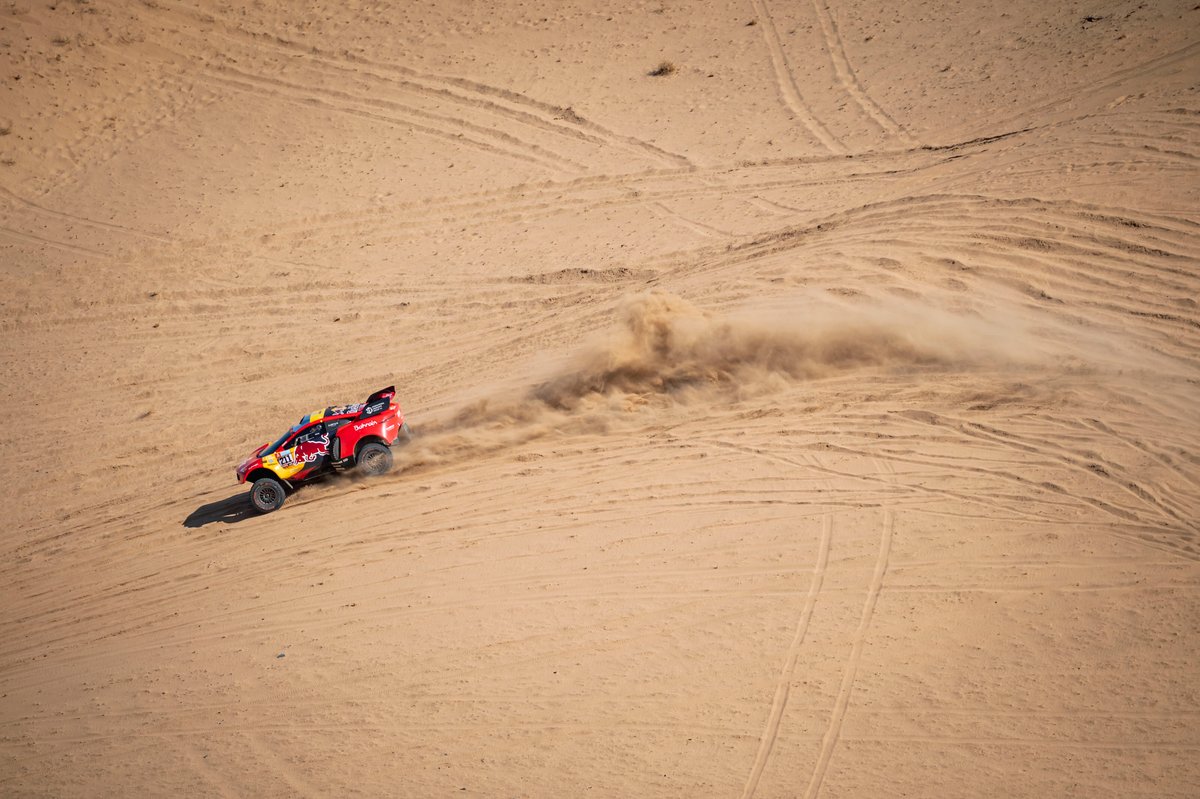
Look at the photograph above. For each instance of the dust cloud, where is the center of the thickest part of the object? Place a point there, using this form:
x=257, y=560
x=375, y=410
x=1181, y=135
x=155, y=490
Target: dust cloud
x=664, y=344
x=662, y=350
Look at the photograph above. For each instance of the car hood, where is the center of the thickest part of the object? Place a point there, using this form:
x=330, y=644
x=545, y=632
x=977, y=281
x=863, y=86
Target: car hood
x=254, y=458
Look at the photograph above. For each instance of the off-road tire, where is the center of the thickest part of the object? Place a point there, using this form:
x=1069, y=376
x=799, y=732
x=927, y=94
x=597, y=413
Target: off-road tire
x=267, y=495
x=374, y=459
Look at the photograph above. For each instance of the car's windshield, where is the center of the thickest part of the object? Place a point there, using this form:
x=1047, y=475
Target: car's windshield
x=279, y=441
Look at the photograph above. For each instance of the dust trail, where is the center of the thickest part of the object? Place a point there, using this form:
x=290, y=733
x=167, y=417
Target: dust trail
x=664, y=351
x=664, y=344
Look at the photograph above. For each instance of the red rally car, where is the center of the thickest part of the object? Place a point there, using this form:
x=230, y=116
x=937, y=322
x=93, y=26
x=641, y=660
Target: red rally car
x=333, y=440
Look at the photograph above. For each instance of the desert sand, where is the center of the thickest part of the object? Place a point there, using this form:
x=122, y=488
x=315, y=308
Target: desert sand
x=817, y=417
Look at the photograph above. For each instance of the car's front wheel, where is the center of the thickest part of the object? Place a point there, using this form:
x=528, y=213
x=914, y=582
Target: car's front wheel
x=267, y=495
x=374, y=459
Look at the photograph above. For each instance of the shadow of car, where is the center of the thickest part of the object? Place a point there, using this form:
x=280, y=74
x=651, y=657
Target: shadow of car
x=230, y=510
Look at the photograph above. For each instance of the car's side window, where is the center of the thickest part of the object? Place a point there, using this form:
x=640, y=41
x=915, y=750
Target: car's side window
x=299, y=438
x=311, y=433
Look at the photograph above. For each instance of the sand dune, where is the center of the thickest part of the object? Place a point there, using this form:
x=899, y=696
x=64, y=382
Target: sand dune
x=818, y=417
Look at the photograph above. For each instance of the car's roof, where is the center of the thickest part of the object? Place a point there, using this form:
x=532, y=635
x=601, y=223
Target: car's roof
x=332, y=412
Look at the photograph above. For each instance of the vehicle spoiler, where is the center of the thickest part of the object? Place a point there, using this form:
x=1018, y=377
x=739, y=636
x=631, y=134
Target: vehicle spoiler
x=377, y=403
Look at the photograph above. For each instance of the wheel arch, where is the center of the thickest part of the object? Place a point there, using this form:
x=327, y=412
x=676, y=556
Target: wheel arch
x=362, y=442
x=262, y=472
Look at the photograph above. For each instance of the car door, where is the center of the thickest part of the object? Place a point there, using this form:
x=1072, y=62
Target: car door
x=307, y=452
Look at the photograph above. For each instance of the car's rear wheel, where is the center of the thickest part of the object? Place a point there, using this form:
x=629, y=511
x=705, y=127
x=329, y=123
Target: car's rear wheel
x=374, y=459
x=267, y=495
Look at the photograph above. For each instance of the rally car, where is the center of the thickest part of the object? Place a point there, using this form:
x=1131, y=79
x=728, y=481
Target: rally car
x=336, y=439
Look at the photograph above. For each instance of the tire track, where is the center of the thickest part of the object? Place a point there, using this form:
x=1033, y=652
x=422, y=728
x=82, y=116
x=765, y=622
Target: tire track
x=181, y=736
x=1121, y=515
x=778, y=209
x=516, y=212
x=16, y=200
x=489, y=211
x=1090, y=466
x=930, y=491
x=549, y=197
x=836, y=49
x=830, y=740
x=1082, y=245
x=1107, y=83
x=786, y=81
x=577, y=126
x=474, y=94
x=395, y=116
x=766, y=743
x=29, y=238
x=343, y=99
x=1113, y=510
x=1027, y=742
x=27, y=667
x=991, y=713
x=690, y=224
x=1140, y=446
x=1087, y=464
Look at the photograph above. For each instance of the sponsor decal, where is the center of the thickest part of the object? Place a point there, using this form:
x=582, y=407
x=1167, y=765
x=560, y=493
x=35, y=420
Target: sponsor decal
x=342, y=410
x=305, y=452
x=364, y=425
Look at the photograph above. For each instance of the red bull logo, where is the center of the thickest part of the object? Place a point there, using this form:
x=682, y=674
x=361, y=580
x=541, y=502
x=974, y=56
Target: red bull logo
x=305, y=452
